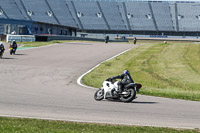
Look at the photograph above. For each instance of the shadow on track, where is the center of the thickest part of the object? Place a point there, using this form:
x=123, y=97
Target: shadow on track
x=137, y=102
x=133, y=102
x=7, y=58
x=20, y=54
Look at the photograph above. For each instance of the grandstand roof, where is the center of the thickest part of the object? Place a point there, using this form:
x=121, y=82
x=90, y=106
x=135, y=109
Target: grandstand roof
x=14, y=21
x=169, y=0
x=142, y=0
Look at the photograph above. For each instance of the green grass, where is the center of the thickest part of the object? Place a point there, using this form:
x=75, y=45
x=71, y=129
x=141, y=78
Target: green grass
x=39, y=44
x=165, y=70
x=14, y=125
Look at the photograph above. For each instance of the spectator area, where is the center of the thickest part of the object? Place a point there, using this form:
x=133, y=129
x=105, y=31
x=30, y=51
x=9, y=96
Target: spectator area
x=106, y=16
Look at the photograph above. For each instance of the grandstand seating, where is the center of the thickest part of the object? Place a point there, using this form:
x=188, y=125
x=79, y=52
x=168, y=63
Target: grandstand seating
x=74, y=13
x=11, y=11
x=112, y=15
x=123, y=12
x=89, y=18
x=2, y=14
x=99, y=15
x=188, y=16
x=162, y=16
x=39, y=11
x=141, y=16
x=22, y=9
x=173, y=15
x=1, y=29
x=62, y=12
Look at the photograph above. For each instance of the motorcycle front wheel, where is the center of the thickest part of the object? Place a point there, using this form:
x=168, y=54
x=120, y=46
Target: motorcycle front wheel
x=99, y=95
x=14, y=51
x=131, y=94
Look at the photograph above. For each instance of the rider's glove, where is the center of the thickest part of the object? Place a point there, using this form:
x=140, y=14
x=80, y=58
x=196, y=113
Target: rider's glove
x=109, y=79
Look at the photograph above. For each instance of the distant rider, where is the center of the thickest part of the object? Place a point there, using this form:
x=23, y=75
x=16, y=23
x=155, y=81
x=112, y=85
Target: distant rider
x=13, y=45
x=106, y=39
x=125, y=79
x=134, y=40
x=2, y=47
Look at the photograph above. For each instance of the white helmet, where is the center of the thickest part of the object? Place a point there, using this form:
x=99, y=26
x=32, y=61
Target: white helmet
x=1, y=43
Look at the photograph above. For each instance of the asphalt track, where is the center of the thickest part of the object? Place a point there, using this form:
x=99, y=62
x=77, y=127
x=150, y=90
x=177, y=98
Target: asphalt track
x=41, y=83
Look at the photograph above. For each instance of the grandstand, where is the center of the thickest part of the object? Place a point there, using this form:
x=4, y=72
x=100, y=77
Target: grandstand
x=66, y=17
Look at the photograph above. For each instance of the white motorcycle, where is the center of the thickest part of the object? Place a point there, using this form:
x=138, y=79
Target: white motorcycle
x=110, y=91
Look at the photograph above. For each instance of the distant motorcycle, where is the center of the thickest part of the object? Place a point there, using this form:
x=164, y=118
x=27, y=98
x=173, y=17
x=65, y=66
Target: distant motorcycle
x=12, y=51
x=110, y=91
x=1, y=53
x=106, y=39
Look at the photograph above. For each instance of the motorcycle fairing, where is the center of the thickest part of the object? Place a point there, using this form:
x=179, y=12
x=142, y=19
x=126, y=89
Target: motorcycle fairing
x=108, y=88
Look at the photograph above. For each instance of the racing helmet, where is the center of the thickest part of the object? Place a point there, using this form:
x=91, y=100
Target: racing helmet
x=125, y=72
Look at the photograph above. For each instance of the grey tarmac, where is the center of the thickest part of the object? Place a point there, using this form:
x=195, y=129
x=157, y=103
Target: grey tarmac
x=41, y=83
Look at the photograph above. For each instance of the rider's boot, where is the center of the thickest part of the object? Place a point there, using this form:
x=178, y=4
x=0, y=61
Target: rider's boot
x=119, y=89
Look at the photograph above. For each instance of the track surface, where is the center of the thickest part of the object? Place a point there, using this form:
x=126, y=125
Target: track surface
x=41, y=83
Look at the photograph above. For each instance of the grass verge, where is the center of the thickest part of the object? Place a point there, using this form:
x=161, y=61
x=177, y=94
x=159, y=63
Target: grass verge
x=166, y=70
x=38, y=44
x=15, y=125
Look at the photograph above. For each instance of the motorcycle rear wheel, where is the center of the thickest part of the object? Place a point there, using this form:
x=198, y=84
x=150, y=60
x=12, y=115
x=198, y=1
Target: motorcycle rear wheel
x=1, y=55
x=99, y=95
x=131, y=95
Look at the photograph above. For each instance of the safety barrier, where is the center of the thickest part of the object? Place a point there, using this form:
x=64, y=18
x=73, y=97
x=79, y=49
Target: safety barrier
x=20, y=38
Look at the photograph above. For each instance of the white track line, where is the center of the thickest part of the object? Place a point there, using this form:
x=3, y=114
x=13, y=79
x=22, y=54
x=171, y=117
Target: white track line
x=79, y=79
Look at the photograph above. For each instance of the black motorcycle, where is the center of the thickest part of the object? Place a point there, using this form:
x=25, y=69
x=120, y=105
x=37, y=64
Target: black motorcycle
x=1, y=53
x=12, y=50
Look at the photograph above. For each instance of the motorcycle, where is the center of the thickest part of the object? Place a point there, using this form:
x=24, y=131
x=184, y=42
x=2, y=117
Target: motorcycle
x=12, y=51
x=110, y=91
x=1, y=53
x=106, y=40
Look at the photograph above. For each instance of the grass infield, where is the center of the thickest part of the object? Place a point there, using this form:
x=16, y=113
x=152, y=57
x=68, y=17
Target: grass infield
x=39, y=44
x=167, y=70
x=16, y=125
